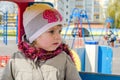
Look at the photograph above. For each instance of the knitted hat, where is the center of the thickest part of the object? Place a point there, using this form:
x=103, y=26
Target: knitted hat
x=38, y=18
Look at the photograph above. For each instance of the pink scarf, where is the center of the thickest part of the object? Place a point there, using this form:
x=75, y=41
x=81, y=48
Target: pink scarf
x=41, y=54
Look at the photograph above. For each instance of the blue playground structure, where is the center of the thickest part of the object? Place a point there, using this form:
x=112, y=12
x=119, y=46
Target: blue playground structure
x=103, y=63
x=5, y=27
x=98, y=76
x=79, y=14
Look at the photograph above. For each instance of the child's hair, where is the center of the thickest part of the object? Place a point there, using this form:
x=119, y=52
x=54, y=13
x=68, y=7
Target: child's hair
x=38, y=18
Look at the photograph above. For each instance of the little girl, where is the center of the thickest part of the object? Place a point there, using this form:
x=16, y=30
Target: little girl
x=41, y=55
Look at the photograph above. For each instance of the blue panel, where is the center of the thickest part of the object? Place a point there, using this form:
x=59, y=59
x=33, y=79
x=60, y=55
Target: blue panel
x=91, y=42
x=98, y=76
x=109, y=19
x=105, y=55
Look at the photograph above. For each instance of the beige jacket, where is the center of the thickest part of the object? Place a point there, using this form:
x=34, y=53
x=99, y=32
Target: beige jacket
x=60, y=67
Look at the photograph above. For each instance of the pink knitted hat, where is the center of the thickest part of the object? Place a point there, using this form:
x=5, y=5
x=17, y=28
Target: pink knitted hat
x=38, y=18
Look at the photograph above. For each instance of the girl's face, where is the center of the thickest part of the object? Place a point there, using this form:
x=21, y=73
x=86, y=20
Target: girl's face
x=50, y=40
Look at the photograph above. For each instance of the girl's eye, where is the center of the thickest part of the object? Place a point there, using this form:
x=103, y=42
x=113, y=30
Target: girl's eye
x=60, y=31
x=52, y=31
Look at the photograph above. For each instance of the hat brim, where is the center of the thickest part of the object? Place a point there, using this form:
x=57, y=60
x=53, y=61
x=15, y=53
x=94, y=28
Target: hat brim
x=43, y=29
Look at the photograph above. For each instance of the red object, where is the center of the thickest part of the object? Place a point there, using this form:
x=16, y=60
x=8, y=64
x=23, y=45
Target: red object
x=80, y=32
x=4, y=60
x=108, y=25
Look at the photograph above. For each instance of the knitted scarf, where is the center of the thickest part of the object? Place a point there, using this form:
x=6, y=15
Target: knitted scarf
x=41, y=54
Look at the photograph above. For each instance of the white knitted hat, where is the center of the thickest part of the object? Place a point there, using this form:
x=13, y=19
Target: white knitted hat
x=38, y=18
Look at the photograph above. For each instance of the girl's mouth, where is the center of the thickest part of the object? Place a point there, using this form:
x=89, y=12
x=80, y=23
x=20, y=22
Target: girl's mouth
x=55, y=43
